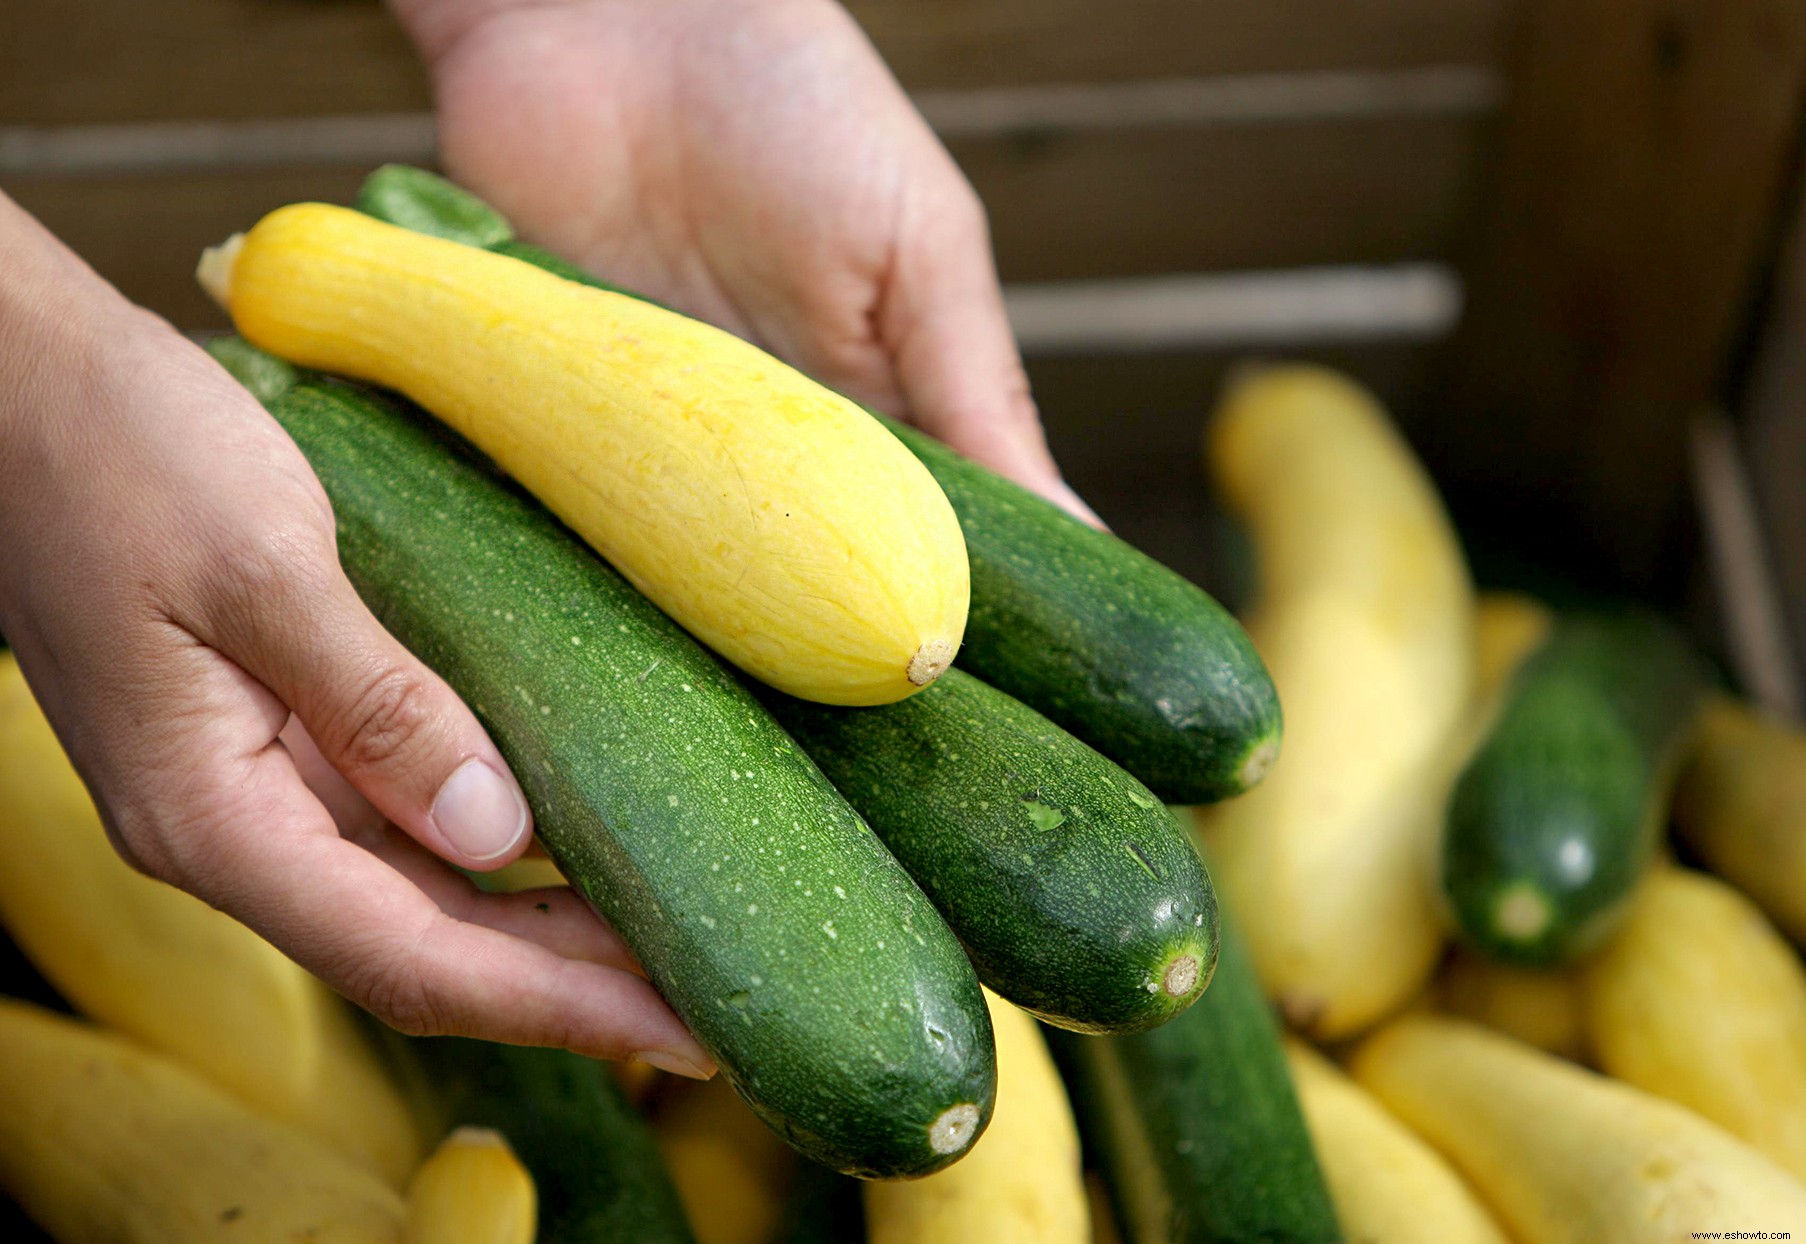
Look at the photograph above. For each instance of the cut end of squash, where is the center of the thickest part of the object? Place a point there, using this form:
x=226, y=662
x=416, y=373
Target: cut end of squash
x=1522, y=913
x=1181, y=976
x=954, y=1129
x=214, y=272
x=1258, y=763
x=931, y=661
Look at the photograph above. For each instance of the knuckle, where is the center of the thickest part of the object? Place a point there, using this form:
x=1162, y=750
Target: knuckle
x=273, y=564
x=394, y=990
x=151, y=845
x=965, y=214
x=143, y=854
x=1017, y=402
x=386, y=721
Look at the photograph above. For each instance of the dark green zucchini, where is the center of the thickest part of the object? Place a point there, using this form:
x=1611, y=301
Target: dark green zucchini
x=1111, y=645
x=597, y=1170
x=265, y=375
x=1196, y=1126
x=792, y=944
x=1074, y=889
x=1105, y=641
x=1556, y=816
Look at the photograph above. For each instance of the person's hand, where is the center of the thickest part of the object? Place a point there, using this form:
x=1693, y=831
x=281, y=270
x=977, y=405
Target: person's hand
x=753, y=163
x=170, y=582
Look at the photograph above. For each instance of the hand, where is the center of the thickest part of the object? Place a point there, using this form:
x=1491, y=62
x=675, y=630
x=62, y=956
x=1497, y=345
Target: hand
x=170, y=582
x=753, y=163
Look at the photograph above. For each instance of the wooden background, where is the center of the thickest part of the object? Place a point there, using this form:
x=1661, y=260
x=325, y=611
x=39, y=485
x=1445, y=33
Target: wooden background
x=1610, y=180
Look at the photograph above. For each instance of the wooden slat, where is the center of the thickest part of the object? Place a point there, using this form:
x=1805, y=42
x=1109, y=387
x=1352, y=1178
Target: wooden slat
x=145, y=233
x=1099, y=204
x=1754, y=624
x=1639, y=177
x=1268, y=309
x=964, y=42
x=1774, y=433
x=74, y=62
x=1062, y=207
x=93, y=61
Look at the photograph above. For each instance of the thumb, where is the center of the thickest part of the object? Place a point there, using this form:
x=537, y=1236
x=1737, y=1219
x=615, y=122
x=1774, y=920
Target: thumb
x=956, y=358
x=379, y=716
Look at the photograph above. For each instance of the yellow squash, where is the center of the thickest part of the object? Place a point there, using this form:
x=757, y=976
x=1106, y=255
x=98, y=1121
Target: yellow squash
x=104, y=1142
x=774, y=519
x=1366, y=619
x=1388, y=1185
x=144, y=957
x=1021, y=1183
x=731, y=1171
x=473, y=1190
x=1741, y=802
x=1565, y=1156
x=1508, y=627
x=1545, y=1008
x=1698, y=999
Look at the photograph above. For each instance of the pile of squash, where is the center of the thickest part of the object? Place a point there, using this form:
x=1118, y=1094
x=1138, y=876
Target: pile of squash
x=1459, y=987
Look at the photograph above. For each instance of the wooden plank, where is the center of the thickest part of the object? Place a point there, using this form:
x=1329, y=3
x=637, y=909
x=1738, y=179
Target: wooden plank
x=1264, y=309
x=145, y=233
x=1144, y=201
x=1774, y=433
x=1639, y=176
x=963, y=42
x=94, y=61
x=78, y=62
x=1758, y=645
x=1062, y=206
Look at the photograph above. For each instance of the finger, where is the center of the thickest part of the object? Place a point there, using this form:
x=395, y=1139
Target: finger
x=356, y=817
x=379, y=716
x=368, y=931
x=956, y=358
x=556, y=917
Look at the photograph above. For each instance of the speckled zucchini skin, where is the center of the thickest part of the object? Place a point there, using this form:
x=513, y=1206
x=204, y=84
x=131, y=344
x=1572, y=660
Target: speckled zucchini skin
x=1106, y=642
x=1196, y=1125
x=788, y=939
x=1075, y=891
x=1560, y=809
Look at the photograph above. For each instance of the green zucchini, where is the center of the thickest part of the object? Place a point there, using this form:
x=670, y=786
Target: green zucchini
x=1074, y=889
x=265, y=375
x=427, y=203
x=1103, y=640
x=594, y=1163
x=1196, y=1126
x=780, y=930
x=1557, y=815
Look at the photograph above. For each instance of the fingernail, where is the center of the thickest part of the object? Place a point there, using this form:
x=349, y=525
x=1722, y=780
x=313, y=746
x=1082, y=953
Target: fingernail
x=676, y=1064
x=480, y=812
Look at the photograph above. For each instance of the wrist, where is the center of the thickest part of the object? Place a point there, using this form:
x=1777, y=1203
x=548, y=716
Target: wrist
x=52, y=307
